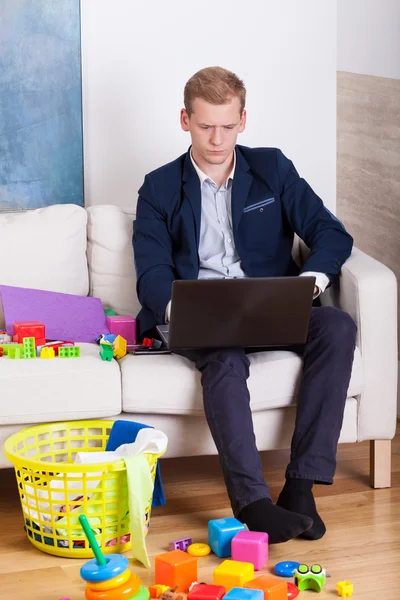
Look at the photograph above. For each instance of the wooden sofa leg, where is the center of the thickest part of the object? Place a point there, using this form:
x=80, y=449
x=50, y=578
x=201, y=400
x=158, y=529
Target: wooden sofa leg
x=380, y=463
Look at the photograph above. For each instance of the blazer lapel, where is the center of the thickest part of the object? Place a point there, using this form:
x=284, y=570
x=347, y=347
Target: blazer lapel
x=240, y=188
x=191, y=189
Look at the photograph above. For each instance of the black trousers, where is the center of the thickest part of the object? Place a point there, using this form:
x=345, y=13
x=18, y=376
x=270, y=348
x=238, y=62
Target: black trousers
x=327, y=363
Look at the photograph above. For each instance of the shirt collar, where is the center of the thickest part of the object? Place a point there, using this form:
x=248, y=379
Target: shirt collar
x=202, y=176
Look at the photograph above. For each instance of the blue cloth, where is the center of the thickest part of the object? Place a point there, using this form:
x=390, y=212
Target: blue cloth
x=270, y=203
x=125, y=432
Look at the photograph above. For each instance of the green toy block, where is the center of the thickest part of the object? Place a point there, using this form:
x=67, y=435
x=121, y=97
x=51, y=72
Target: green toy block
x=69, y=351
x=109, y=312
x=6, y=348
x=307, y=578
x=15, y=352
x=106, y=352
x=29, y=347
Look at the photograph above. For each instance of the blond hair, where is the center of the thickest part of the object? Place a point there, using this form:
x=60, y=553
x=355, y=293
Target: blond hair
x=214, y=85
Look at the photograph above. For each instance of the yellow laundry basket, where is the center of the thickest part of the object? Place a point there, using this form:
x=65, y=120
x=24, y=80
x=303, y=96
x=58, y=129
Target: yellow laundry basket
x=52, y=487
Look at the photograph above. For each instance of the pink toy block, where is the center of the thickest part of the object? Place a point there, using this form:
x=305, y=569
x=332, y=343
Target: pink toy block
x=123, y=325
x=252, y=547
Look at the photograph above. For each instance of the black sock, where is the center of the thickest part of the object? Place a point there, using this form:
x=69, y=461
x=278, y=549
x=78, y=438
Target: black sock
x=297, y=496
x=280, y=524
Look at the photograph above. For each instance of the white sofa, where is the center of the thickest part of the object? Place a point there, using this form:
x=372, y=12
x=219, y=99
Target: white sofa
x=69, y=249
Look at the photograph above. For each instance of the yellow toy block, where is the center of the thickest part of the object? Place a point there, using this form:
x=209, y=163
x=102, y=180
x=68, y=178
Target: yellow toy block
x=119, y=347
x=232, y=573
x=157, y=589
x=344, y=589
x=47, y=352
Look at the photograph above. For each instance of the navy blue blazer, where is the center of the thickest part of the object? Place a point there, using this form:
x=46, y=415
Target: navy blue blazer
x=167, y=226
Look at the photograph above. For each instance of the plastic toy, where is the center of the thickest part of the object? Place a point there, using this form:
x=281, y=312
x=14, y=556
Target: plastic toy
x=119, y=347
x=29, y=329
x=251, y=546
x=47, y=352
x=106, y=352
x=15, y=352
x=109, y=578
x=345, y=589
x=221, y=533
x=1, y=351
x=232, y=573
x=6, y=347
x=176, y=569
x=29, y=347
x=286, y=569
x=123, y=325
x=204, y=591
x=307, y=578
x=69, y=351
x=273, y=588
x=199, y=549
x=157, y=589
x=173, y=594
x=181, y=544
x=244, y=594
x=292, y=591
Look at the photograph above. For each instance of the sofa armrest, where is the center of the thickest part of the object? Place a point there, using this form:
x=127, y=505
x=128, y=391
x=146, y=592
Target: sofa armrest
x=367, y=290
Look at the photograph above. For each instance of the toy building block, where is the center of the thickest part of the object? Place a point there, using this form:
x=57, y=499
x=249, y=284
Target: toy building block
x=176, y=569
x=123, y=325
x=5, y=338
x=204, y=591
x=69, y=351
x=157, y=589
x=6, y=347
x=15, y=352
x=106, y=352
x=31, y=329
x=310, y=578
x=345, y=589
x=47, y=352
x=232, y=573
x=57, y=345
x=181, y=544
x=221, y=533
x=272, y=587
x=119, y=352
x=1, y=351
x=251, y=546
x=109, y=312
x=244, y=594
x=29, y=347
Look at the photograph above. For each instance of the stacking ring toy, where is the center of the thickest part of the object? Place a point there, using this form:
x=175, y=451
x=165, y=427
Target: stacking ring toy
x=285, y=569
x=199, y=549
x=115, y=565
x=108, y=584
x=129, y=590
x=292, y=591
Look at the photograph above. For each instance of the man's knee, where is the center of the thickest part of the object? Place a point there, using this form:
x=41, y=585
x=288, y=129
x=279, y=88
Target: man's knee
x=235, y=358
x=336, y=324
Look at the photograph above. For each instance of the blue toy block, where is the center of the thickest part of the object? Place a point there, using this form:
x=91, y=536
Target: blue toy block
x=244, y=594
x=221, y=533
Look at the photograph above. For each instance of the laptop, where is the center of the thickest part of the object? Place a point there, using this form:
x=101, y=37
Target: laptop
x=239, y=313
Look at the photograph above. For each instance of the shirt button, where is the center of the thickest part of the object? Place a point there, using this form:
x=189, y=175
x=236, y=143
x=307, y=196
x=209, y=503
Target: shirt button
x=261, y=210
x=223, y=220
x=229, y=240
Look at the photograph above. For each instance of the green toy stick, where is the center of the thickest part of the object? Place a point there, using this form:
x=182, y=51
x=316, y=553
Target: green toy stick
x=92, y=540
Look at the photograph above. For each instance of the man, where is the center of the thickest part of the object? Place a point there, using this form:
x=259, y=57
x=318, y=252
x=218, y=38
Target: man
x=224, y=210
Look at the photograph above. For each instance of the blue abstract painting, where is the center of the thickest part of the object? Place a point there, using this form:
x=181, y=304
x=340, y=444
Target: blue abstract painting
x=41, y=157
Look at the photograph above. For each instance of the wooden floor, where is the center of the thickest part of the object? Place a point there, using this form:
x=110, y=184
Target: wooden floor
x=362, y=543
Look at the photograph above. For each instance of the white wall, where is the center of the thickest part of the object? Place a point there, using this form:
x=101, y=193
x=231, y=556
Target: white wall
x=137, y=57
x=369, y=37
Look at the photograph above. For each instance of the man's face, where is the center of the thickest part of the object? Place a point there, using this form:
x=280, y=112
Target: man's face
x=213, y=129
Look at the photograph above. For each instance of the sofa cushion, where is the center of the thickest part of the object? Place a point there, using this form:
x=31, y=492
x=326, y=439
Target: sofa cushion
x=45, y=249
x=170, y=384
x=41, y=390
x=110, y=258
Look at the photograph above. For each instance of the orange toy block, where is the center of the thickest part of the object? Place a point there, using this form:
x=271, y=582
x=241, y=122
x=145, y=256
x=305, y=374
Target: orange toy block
x=273, y=588
x=176, y=569
x=157, y=590
x=233, y=573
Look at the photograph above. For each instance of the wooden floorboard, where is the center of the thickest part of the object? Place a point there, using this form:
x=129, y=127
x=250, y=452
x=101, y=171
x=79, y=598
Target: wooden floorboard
x=362, y=543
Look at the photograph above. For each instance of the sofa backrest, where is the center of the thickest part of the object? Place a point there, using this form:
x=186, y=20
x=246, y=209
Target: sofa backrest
x=110, y=258
x=44, y=249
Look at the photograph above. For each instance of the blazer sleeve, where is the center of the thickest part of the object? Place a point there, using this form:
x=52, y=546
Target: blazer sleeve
x=152, y=247
x=329, y=243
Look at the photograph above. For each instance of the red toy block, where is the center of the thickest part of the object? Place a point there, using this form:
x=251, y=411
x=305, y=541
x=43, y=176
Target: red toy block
x=204, y=591
x=176, y=569
x=1, y=351
x=32, y=329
